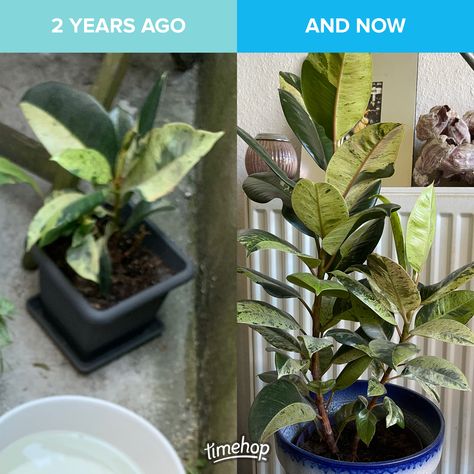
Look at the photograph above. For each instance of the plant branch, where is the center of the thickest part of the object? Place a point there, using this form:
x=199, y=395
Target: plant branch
x=327, y=432
x=403, y=337
x=306, y=305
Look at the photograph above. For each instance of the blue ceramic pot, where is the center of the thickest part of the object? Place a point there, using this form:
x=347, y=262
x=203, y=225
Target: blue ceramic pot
x=421, y=415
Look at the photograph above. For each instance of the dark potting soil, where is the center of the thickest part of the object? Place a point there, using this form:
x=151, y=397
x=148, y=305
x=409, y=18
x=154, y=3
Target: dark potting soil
x=387, y=443
x=134, y=269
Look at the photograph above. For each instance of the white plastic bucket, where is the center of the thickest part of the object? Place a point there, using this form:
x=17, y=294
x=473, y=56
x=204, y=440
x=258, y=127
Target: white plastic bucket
x=123, y=429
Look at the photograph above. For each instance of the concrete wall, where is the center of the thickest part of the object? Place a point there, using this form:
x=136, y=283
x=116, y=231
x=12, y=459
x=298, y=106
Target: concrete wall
x=216, y=327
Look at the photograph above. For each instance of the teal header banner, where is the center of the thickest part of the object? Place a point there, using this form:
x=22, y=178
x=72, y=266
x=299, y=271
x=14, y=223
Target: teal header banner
x=118, y=26
x=233, y=26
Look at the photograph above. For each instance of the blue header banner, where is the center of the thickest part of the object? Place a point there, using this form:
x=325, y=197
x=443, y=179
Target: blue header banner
x=118, y=26
x=353, y=26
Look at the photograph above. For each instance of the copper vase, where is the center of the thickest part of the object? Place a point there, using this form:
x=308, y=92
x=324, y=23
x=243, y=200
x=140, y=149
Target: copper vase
x=280, y=149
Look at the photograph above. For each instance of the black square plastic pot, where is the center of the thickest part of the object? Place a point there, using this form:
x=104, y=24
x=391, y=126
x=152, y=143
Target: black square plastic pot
x=89, y=333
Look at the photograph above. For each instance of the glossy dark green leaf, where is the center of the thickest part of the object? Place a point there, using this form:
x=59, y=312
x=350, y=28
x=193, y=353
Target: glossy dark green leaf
x=280, y=358
x=150, y=107
x=394, y=282
x=445, y=330
x=273, y=287
x=367, y=199
x=290, y=216
x=310, y=345
x=351, y=372
x=398, y=236
x=438, y=372
x=322, y=387
x=277, y=405
x=63, y=117
x=346, y=414
x=369, y=321
x=292, y=79
x=171, y=152
x=333, y=241
x=143, y=210
x=421, y=228
x=365, y=296
x=105, y=275
x=325, y=357
x=305, y=130
x=265, y=156
x=340, y=309
x=360, y=244
x=394, y=413
x=70, y=214
x=336, y=89
x=268, y=377
x=264, y=187
x=364, y=158
x=346, y=354
x=259, y=313
x=454, y=280
x=366, y=422
x=256, y=239
x=293, y=367
x=458, y=305
x=278, y=338
x=123, y=122
x=86, y=164
x=375, y=388
x=10, y=173
x=319, y=287
x=350, y=338
x=319, y=206
x=383, y=351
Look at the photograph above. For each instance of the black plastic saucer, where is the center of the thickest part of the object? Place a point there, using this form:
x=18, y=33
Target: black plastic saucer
x=86, y=366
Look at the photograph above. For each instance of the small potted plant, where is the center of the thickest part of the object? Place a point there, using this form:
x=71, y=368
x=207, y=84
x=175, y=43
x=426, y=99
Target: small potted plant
x=342, y=424
x=104, y=268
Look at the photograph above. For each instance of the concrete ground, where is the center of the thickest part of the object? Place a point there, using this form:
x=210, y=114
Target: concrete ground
x=158, y=380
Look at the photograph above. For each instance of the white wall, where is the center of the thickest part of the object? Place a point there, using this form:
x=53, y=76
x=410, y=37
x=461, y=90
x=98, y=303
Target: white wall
x=444, y=79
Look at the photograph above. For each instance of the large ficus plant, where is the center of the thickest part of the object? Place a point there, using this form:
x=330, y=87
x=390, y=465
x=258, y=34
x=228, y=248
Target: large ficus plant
x=345, y=216
x=119, y=158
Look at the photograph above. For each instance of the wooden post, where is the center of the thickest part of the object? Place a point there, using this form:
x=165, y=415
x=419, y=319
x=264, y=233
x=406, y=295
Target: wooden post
x=110, y=77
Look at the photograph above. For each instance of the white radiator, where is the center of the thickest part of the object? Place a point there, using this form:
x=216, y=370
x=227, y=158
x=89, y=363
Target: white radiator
x=452, y=248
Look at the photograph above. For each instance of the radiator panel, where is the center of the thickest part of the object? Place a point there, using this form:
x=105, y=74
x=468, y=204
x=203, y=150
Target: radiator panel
x=452, y=248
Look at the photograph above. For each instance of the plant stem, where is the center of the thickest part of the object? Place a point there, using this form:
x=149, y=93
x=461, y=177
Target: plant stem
x=405, y=335
x=327, y=432
x=117, y=202
x=370, y=406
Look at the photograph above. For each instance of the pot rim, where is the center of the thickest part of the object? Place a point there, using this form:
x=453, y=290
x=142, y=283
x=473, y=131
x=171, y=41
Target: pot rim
x=81, y=401
x=275, y=137
x=104, y=316
x=390, y=463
